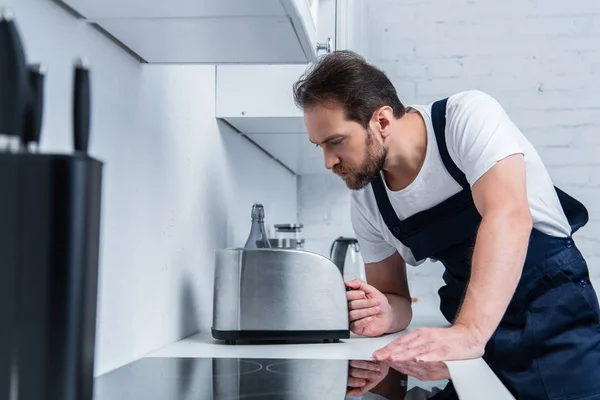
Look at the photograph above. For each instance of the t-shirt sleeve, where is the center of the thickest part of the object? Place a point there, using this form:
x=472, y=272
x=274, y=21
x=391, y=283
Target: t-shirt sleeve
x=373, y=246
x=479, y=133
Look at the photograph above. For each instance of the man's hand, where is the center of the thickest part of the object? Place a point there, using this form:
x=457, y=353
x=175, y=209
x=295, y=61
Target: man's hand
x=369, y=311
x=364, y=376
x=423, y=371
x=433, y=344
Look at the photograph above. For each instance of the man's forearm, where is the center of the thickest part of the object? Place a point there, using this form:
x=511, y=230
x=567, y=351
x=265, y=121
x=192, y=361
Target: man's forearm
x=500, y=250
x=401, y=312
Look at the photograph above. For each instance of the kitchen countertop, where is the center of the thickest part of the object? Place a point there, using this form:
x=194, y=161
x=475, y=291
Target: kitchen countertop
x=473, y=379
x=357, y=347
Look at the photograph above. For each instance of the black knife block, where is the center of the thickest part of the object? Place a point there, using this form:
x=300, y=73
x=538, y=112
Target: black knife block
x=49, y=244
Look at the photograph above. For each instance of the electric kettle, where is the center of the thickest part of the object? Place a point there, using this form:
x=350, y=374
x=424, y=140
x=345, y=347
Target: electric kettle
x=345, y=254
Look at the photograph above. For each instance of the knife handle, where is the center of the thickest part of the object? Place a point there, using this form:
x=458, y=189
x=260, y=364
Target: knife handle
x=35, y=109
x=81, y=107
x=13, y=79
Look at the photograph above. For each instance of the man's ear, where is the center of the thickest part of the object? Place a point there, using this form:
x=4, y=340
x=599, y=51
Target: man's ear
x=381, y=120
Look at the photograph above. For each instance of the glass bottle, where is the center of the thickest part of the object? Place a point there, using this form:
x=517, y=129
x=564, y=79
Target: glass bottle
x=258, y=236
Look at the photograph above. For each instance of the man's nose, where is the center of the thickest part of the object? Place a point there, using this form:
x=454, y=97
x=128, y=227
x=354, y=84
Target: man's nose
x=331, y=160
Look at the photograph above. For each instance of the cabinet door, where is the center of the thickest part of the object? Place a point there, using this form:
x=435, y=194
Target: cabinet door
x=209, y=40
x=348, y=23
x=209, y=31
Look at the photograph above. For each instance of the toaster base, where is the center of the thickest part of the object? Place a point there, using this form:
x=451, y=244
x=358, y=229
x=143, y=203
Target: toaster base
x=231, y=337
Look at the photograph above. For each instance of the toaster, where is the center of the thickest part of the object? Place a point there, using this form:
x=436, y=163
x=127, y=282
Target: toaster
x=278, y=294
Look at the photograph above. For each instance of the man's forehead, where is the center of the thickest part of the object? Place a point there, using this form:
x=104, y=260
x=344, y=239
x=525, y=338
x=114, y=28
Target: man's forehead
x=325, y=109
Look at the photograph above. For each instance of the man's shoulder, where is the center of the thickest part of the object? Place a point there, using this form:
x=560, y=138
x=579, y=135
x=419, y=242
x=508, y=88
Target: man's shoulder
x=470, y=101
x=469, y=98
x=461, y=99
x=465, y=104
x=470, y=109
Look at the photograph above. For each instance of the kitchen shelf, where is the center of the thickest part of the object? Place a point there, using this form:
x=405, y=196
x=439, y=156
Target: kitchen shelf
x=208, y=31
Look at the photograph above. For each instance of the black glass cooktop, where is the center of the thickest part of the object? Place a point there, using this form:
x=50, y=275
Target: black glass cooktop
x=269, y=379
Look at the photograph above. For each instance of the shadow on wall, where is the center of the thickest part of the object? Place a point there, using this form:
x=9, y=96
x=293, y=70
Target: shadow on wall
x=207, y=230
x=188, y=311
x=188, y=324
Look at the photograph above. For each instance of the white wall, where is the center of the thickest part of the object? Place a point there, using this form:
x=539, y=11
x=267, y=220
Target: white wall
x=539, y=58
x=177, y=183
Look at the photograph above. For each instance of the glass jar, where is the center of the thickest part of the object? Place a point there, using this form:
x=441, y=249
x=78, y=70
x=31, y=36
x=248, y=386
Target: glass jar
x=288, y=236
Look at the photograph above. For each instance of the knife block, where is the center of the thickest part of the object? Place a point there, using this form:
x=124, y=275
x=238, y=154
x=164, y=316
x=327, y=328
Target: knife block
x=49, y=244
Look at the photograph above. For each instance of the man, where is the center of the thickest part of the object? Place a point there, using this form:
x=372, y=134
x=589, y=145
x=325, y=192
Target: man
x=456, y=181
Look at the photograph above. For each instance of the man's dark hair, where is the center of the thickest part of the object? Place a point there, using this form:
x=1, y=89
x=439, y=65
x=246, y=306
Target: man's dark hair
x=345, y=78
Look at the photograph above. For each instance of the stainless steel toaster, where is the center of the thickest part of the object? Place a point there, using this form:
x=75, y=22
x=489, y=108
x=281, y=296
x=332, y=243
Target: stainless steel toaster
x=278, y=294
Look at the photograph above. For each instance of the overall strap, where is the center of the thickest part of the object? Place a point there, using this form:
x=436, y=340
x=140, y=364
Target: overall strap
x=438, y=118
x=385, y=207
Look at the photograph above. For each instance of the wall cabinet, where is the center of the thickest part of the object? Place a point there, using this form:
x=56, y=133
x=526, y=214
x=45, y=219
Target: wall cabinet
x=213, y=32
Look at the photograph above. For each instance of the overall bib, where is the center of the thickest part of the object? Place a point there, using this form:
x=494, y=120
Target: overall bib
x=547, y=345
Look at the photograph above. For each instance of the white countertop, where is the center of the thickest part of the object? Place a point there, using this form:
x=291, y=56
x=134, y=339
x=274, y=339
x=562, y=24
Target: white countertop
x=203, y=345
x=473, y=379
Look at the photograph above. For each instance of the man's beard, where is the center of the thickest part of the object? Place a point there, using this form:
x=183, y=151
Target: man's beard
x=357, y=179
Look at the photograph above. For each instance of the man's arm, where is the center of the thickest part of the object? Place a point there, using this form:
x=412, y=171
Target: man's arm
x=500, y=196
x=389, y=277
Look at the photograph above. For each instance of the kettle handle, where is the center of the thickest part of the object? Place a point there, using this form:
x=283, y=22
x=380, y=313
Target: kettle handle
x=338, y=257
x=331, y=248
x=352, y=242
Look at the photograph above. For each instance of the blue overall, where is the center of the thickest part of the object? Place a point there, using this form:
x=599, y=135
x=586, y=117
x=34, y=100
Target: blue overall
x=547, y=345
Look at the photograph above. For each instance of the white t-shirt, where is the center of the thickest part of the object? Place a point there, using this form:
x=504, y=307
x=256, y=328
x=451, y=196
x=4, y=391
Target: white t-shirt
x=479, y=133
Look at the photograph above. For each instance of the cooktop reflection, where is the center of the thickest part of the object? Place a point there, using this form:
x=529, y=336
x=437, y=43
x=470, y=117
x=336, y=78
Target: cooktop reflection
x=269, y=379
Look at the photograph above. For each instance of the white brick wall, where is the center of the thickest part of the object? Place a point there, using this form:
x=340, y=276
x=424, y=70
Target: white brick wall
x=539, y=58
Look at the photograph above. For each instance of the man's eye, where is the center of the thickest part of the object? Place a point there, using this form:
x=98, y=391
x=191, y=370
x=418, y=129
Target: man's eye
x=317, y=145
x=336, y=141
